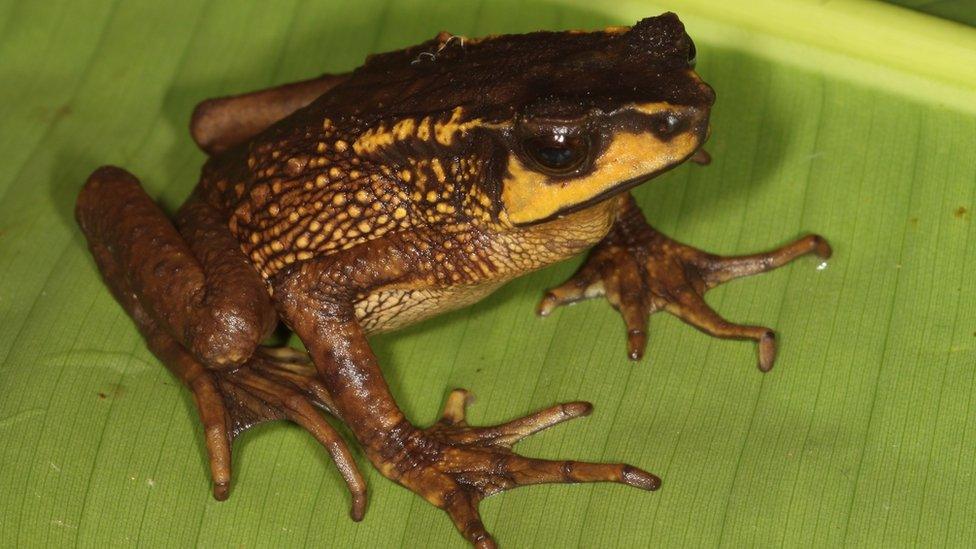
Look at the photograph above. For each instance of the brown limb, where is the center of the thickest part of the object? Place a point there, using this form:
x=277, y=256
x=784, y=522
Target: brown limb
x=641, y=271
x=219, y=124
x=463, y=464
x=451, y=464
x=270, y=388
x=178, y=302
x=205, y=294
x=273, y=384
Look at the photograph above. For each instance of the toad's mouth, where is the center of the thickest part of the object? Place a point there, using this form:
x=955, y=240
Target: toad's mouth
x=699, y=156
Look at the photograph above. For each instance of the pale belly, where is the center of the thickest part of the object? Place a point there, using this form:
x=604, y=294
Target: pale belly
x=513, y=254
x=391, y=309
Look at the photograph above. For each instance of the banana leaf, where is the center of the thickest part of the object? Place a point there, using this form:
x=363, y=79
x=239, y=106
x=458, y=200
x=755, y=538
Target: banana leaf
x=852, y=119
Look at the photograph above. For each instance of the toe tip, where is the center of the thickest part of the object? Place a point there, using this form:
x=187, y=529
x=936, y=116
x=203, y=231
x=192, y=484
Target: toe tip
x=577, y=409
x=641, y=479
x=485, y=542
x=767, y=351
x=221, y=490
x=822, y=247
x=358, y=510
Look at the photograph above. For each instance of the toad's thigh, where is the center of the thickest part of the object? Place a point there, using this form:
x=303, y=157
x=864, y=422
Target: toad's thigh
x=200, y=291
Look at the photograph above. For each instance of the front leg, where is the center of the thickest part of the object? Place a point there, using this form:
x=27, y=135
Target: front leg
x=450, y=464
x=641, y=271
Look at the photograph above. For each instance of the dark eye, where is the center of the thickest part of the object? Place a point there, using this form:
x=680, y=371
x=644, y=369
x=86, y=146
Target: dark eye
x=692, y=53
x=557, y=154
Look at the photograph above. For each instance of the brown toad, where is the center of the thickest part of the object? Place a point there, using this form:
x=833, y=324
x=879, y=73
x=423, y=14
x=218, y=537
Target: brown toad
x=351, y=204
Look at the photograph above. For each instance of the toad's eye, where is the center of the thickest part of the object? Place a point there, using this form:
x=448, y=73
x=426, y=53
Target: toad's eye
x=692, y=53
x=557, y=154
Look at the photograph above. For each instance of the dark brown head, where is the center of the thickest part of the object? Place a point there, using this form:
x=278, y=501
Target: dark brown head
x=554, y=120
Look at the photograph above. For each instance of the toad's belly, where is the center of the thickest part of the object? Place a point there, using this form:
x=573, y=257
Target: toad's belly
x=389, y=309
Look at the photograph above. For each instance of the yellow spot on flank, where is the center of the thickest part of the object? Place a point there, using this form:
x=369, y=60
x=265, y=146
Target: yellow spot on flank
x=302, y=241
x=277, y=246
x=321, y=180
x=364, y=226
x=372, y=139
x=354, y=211
x=406, y=176
x=341, y=146
x=321, y=147
x=484, y=200
x=363, y=196
x=404, y=128
x=314, y=226
x=339, y=199
x=399, y=213
x=435, y=165
x=431, y=196
x=334, y=173
x=326, y=124
x=423, y=130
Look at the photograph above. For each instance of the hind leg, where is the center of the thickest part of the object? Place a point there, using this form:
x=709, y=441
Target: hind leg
x=219, y=124
x=204, y=318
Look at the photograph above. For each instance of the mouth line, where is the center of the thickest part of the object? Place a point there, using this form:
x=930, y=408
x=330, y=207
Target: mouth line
x=619, y=188
x=616, y=189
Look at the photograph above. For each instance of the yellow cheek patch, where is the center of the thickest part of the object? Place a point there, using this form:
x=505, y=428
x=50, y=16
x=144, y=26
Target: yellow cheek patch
x=532, y=196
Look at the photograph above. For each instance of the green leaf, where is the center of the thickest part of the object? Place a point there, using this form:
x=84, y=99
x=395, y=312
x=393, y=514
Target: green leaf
x=852, y=119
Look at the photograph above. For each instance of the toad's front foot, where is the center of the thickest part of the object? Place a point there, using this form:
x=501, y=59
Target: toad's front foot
x=454, y=466
x=641, y=271
x=274, y=384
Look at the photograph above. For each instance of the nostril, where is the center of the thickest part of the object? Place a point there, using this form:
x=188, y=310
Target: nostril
x=669, y=123
x=666, y=124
